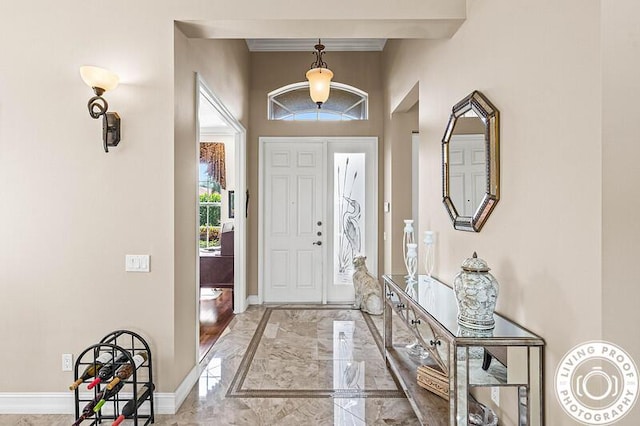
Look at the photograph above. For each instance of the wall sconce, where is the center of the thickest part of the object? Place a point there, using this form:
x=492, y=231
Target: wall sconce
x=101, y=80
x=319, y=77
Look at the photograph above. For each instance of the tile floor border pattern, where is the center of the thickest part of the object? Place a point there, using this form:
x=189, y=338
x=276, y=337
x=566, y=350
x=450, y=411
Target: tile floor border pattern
x=235, y=389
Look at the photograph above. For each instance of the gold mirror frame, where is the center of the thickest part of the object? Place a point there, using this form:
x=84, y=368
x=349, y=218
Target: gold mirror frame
x=489, y=115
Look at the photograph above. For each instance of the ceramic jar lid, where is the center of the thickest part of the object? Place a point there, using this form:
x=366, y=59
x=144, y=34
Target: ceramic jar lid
x=475, y=264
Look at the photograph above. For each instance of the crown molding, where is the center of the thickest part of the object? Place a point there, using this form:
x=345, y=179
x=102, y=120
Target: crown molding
x=306, y=44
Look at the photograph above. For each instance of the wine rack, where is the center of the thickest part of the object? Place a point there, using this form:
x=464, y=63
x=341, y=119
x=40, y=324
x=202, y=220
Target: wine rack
x=123, y=345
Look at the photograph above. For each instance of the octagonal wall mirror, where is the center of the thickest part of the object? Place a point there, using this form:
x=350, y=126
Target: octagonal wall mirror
x=470, y=162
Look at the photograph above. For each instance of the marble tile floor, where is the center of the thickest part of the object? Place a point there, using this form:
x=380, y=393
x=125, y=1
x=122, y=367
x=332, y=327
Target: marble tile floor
x=334, y=375
x=316, y=352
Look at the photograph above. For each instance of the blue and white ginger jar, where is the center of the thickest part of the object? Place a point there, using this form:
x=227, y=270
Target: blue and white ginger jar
x=476, y=292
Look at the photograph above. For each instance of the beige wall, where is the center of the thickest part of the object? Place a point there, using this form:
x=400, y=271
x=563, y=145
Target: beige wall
x=620, y=178
x=536, y=62
x=469, y=126
x=398, y=180
x=224, y=67
x=70, y=212
x=273, y=70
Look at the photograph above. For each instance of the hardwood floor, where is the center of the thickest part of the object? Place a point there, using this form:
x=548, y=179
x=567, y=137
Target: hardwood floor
x=215, y=315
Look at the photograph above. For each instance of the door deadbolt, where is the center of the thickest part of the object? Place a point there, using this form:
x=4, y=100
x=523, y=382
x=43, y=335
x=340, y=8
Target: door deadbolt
x=319, y=233
x=319, y=223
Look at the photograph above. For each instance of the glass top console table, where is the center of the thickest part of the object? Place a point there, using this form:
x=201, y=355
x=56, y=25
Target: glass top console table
x=507, y=356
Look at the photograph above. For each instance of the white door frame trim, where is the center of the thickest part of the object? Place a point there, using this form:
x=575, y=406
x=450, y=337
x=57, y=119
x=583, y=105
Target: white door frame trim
x=261, y=170
x=240, y=299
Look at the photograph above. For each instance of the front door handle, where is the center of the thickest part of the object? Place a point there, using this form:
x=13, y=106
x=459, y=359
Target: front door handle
x=317, y=243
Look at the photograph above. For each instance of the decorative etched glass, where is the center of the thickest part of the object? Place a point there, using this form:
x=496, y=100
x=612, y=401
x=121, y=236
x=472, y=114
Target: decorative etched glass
x=349, y=214
x=348, y=373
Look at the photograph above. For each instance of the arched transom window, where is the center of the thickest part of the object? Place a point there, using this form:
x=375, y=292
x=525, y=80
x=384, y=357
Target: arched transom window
x=293, y=103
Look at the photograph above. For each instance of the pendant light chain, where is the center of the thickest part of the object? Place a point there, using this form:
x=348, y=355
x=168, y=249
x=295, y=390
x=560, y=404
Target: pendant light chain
x=319, y=62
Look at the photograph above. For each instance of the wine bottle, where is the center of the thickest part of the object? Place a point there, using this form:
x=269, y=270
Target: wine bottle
x=92, y=369
x=107, y=370
x=125, y=371
x=105, y=395
x=87, y=411
x=132, y=405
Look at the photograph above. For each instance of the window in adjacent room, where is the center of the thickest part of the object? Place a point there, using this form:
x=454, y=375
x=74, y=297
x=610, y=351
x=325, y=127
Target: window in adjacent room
x=212, y=180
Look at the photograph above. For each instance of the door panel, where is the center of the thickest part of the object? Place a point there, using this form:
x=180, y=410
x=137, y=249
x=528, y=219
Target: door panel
x=280, y=269
x=293, y=206
x=280, y=197
x=306, y=266
x=306, y=205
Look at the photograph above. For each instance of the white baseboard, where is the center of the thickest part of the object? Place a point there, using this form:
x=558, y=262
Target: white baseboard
x=165, y=403
x=184, y=388
x=63, y=402
x=36, y=403
x=253, y=300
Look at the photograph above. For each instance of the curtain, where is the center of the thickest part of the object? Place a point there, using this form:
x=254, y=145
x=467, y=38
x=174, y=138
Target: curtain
x=212, y=154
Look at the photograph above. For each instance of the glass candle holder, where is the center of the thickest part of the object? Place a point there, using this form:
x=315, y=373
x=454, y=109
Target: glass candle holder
x=429, y=253
x=407, y=238
x=412, y=262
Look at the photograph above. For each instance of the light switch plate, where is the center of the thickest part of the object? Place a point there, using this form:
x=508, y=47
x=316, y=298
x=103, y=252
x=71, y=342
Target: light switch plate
x=137, y=262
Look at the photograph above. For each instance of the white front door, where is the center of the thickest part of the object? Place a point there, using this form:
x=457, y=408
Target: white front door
x=318, y=210
x=293, y=217
x=467, y=172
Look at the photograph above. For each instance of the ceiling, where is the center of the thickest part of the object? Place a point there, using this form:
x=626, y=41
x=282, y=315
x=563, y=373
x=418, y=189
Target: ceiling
x=429, y=22
x=306, y=44
x=209, y=119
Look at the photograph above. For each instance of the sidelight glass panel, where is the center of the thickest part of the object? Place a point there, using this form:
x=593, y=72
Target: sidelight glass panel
x=349, y=214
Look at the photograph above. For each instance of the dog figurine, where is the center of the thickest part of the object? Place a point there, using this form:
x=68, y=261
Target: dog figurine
x=367, y=288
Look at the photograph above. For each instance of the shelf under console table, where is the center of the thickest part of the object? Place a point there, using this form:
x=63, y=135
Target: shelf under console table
x=507, y=356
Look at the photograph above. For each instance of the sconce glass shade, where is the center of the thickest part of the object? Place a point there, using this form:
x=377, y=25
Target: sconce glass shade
x=96, y=77
x=319, y=84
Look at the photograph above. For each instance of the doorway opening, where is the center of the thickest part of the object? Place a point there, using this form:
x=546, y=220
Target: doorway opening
x=404, y=182
x=221, y=221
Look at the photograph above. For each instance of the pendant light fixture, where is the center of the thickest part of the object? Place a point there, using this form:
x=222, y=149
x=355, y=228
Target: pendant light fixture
x=319, y=77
